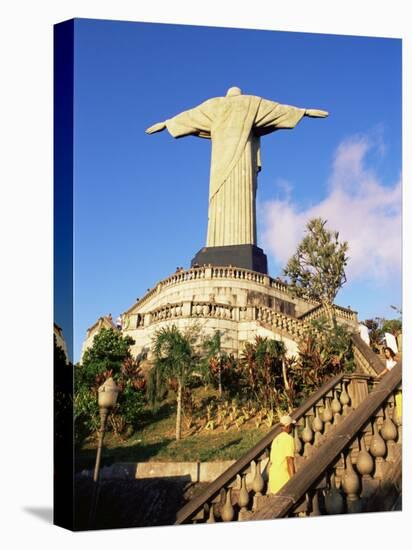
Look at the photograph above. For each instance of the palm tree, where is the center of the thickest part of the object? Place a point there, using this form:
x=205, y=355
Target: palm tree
x=174, y=359
x=214, y=358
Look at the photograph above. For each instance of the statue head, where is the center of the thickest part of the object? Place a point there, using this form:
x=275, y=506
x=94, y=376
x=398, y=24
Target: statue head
x=233, y=91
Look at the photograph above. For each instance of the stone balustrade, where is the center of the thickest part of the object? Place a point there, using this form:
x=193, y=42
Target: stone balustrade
x=365, y=359
x=318, y=312
x=294, y=327
x=245, y=482
x=213, y=272
x=203, y=309
x=240, y=274
x=347, y=439
x=348, y=468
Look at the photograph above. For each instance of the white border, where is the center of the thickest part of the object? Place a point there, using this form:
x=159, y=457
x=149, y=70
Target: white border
x=26, y=282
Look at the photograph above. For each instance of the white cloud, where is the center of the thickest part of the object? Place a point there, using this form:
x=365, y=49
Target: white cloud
x=366, y=213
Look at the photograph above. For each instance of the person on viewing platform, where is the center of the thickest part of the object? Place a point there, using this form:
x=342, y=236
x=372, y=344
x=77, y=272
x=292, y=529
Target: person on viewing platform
x=282, y=456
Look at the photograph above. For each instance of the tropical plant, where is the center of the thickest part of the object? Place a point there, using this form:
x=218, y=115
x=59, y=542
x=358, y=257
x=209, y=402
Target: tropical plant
x=176, y=360
x=260, y=369
x=217, y=366
x=324, y=352
x=317, y=269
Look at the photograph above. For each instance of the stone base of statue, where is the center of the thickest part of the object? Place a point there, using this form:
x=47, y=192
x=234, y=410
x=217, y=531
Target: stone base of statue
x=246, y=256
x=239, y=302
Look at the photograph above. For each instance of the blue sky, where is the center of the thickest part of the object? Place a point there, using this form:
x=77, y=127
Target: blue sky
x=141, y=201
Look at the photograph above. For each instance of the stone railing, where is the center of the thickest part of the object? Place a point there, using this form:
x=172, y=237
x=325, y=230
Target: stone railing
x=240, y=274
x=192, y=274
x=365, y=359
x=294, y=327
x=213, y=272
x=235, y=494
x=318, y=312
x=347, y=444
x=212, y=310
x=166, y=312
x=351, y=468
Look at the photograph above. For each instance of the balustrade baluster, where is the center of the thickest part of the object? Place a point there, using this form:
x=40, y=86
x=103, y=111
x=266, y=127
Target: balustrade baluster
x=344, y=399
x=351, y=486
x=307, y=436
x=217, y=506
x=389, y=434
x=298, y=443
x=227, y=512
x=258, y=481
x=378, y=450
x=211, y=518
x=334, y=503
x=317, y=427
x=314, y=504
x=243, y=500
x=365, y=465
x=327, y=415
x=336, y=409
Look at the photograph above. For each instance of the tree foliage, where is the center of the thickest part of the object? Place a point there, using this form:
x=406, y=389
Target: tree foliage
x=377, y=328
x=109, y=356
x=317, y=269
x=107, y=353
x=324, y=352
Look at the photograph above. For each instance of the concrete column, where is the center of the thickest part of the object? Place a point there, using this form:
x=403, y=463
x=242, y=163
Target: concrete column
x=186, y=309
x=357, y=389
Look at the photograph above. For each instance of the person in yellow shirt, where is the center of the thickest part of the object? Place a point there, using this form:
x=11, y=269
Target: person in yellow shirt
x=282, y=456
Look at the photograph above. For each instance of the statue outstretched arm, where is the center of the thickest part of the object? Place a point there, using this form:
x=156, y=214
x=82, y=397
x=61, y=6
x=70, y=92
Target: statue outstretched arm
x=316, y=113
x=273, y=116
x=158, y=127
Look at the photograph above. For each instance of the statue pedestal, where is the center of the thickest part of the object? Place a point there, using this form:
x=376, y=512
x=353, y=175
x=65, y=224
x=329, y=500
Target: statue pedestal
x=247, y=256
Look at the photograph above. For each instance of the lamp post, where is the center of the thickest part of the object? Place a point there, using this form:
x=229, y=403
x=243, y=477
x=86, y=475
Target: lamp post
x=107, y=398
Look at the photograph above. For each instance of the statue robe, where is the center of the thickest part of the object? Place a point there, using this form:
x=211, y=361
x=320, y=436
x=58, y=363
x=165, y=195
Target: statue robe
x=234, y=124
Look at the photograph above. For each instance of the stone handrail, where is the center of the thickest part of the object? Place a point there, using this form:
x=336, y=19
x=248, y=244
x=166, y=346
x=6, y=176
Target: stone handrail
x=365, y=358
x=276, y=320
x=197, y=505
x=301, y=494
x=318, y=311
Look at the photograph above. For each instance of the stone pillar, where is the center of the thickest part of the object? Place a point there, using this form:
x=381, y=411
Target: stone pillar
x=357, y=389
x=186, y=309
x=235, y=314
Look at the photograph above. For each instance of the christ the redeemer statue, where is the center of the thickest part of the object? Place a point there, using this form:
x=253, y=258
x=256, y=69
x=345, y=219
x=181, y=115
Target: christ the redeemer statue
x=234, y=124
